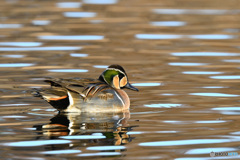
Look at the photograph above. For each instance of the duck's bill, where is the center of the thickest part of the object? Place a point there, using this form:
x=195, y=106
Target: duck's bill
x=129, y=86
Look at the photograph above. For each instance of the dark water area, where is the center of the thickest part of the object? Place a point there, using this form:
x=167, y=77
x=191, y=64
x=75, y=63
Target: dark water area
x=184, y=56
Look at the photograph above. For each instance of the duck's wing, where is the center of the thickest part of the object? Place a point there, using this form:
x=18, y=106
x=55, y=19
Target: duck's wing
x=52, y=94
x=84, y=87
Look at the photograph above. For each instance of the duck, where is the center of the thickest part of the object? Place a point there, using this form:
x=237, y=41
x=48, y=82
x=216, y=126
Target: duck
x=104, y=94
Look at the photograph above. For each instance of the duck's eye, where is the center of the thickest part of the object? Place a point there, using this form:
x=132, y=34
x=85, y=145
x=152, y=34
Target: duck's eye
x=123, y=82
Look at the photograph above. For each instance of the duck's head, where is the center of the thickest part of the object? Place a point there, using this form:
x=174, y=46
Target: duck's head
x=116, y=77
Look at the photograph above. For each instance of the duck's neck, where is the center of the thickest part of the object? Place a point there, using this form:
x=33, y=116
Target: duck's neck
x=125, y=98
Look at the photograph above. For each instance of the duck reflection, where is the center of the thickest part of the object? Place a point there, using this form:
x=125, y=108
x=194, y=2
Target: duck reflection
x=112, y=126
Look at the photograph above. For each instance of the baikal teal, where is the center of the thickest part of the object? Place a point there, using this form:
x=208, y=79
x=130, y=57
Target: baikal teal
x=104, y=94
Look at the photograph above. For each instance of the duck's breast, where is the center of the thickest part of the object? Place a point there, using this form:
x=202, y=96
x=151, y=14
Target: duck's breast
x=106, y=101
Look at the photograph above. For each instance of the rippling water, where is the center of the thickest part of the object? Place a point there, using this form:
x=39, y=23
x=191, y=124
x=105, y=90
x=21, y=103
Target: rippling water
x=182, y=55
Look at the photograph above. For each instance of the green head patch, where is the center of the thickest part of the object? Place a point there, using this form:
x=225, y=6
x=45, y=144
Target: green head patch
x=109, y=74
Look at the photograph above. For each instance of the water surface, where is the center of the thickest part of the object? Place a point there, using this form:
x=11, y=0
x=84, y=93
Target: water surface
x=182, y=56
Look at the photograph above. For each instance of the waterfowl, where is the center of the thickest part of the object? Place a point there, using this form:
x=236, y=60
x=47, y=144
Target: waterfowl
x=104, y=94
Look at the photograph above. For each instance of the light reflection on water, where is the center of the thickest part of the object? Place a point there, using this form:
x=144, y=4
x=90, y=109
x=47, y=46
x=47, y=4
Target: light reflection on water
x=68, y=4
x=201, y=72
x=226, y=77
x=100, y=148
x=55, y=48
x=228, y=110
x=71, y=37
x=61, y=152
x=68, y=70
x=204, y=54
x=84, y=137
x=100, y=66
x=214, y=94
x=100, y=154
x=214, y=87
x=162, y=105
x=168, y=23
x=13, y=56
x=16, y=64
x=78, y=54
x=35, y=143
x=172, y=36
x=195, y=11
x=186, y=64
x=41, y=22
x=185, y=142
x=146, y=84
x=158, y=36
x=232, y=60
x=2, y=26
x=208, y=150
x=79, y=14
x=21, y=44
x=102, y=2
x=212, y=36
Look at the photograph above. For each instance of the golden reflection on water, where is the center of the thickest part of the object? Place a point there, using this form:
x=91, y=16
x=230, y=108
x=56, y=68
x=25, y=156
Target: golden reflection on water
x=182, y=55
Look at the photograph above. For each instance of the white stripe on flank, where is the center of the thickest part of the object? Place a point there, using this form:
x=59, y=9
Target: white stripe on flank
x=120, y=98
x=70, y=99
x=72, y=107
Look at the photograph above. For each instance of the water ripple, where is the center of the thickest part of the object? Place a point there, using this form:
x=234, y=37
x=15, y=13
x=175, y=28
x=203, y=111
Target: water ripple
x=168, y=23
x=226, y=108
x=204, y=54
x=21, y=44
x=100, y=66
x=147, y=84
x=55, y=48
x=78, y=54
x=71, y=37
x=226, y=77
x=158, y=36
x=68, y=151
x=208, y=150
x=14, y=116
x=213, y=87
x=84, y=137
x=163, y=105
x=102, y=148
x=201, y=72
x=211, y=121
x=41, y=22
x=186, y=64
x=36, y=143
x=185, y=142
x=79, y=14
x=100, y=154
x=68, y=70
x=212, y=36
x=102, y=2
x=13, y=56
x=195, y=11
x=232, y=60
x=10, y=26
x=214, y=94
x=68, y=4
x=16, y=64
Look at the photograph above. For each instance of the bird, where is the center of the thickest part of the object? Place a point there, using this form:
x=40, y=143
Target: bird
x=104, y=94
